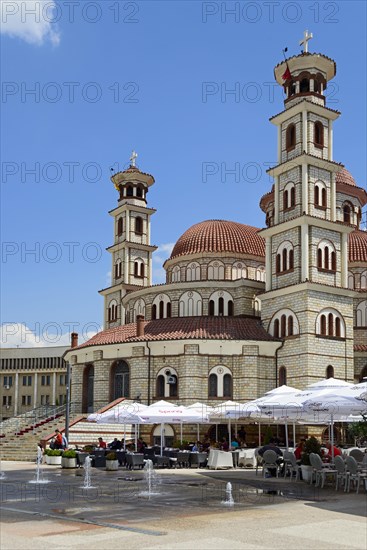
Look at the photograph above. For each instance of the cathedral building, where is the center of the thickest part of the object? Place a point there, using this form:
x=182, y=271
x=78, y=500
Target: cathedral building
x=243, y=309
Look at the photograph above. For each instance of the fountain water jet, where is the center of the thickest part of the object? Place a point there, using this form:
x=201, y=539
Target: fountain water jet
x=87, y=473
x=229, y=498
x=39, y=473
x=151, y=479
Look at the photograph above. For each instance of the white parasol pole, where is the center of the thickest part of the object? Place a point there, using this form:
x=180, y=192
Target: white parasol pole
x=124, y=436
x=259, y=433
x=286, y=435
x=181, y=430
x=332, y=437
x=162, y=430
x=198, y=433
x=294, y=434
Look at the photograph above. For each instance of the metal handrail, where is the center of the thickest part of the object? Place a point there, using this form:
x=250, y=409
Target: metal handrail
x=31, y=417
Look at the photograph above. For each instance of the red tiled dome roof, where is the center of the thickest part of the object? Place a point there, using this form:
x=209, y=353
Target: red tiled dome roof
x=358, y=246
x=344, y=176
x=220, y=236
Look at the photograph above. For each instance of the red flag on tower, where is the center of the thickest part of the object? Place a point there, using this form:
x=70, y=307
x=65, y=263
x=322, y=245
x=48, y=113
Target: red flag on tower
x=287, y=73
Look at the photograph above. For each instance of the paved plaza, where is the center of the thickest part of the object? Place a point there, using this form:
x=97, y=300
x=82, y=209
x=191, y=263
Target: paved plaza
x=186, y=510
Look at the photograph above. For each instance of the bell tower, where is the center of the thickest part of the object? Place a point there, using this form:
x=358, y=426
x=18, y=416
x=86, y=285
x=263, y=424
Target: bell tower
x=307, y=301
x=131, y=252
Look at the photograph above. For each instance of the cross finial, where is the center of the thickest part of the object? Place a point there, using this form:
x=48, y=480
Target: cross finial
x=134, y=156
x=304, y=42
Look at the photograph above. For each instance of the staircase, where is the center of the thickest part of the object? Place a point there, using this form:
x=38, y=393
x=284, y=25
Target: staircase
x=21, y=434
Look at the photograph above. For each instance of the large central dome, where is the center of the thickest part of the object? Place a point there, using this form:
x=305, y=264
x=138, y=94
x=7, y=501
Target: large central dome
x=220, y=236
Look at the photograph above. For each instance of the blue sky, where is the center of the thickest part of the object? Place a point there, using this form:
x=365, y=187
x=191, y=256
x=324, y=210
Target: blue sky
x=114, y=76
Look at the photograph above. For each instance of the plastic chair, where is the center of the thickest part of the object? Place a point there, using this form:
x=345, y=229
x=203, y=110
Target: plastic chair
x=270, y=462
x=357, y=454
x=259, y=460
x=353, y=474
x=290, y=465
x=320, y=470
x=341, y=471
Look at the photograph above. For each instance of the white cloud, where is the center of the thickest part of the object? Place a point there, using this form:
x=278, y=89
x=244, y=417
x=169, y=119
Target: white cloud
x=159, y=257
x=30, y=20
x=14, y=335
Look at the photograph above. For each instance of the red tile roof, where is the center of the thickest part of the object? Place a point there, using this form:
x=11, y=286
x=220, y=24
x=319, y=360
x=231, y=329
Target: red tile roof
x=360, y=347
x=220, y=236
x=357, y=246
x=183, y=328
x=344, y=176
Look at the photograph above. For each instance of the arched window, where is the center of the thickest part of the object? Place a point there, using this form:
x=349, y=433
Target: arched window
x=219, y=303
x=160, y=386
x=333, y=261
x=351, y=280
x=154, y=311
x=260, y=274
x=220, y=382
x=239, y=271
x=190, y=304
x=139, y=309
x=230, y=308
x=291, y=88
x=169, y=309
x=139, y=191
x=326, y=256
x=330, y=323
x=167, y=382
x=304, y=86
x=162, y=307
x=347, y=212
x=138, y=225
x=364, y=279
x=330, y=371
x=176, y=274
x=293, y=196
x=120, y=227
x=193, y=272
x=323, y=197
x=112, y=311
x=285, y=199
x=139, y=268
x=129, y=191
x=361, y=314
x=289, y=196
x=320, y=195
x=282, y=376
x=227, y=385
x=119, y=380
x=276, y=328
x=118, y=269
x=284, y=323
x=216, y=271
x=213, y=385
x=284, y=257
x=318, y=134
x=88, y=389
x=290, y=137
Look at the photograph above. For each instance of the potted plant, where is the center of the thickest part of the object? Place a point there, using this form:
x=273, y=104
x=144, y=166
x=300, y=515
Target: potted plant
x=111, y=461
x=68, y=459
x=311, y=445
x=53, y=456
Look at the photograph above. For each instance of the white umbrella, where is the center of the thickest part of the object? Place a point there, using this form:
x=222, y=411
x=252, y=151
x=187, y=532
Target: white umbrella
x=163, y=412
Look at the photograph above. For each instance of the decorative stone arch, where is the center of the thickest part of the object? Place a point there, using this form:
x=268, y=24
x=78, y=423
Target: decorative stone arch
x=176, y=274
x=221, y=303
x=193, y=272
x=260, y=274
x=330, y=322
x=364, y=279
x=190, y=304
x=220, y=382
x=326, y=256
x=112, y=311
x=351, y=280
x=161, y=307
x=289, y=196
x=119, y=380
x=285, y=257
x=167, y=383
x=216, y=270
x=239, y=271
x=361, y=314
x=320, y=194
x=284, y=323
x=88, y=389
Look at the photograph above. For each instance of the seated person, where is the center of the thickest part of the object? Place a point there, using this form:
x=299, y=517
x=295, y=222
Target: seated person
x=299, y=450
x=101, y=444
x=330, y=448
x=141, y=445
x=196, y=447
x=115, y=445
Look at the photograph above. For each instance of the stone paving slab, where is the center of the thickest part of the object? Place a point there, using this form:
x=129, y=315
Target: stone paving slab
x=187, y=513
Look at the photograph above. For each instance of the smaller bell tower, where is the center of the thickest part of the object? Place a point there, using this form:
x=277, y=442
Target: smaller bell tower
x=131, y=251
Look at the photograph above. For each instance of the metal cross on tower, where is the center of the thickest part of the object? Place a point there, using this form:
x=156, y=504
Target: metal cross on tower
x=304, y=42
x=134, y=156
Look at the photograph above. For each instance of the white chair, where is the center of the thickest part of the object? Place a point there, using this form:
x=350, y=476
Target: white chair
x=320, y=470
x=270, y=462
x=357, y=454
x=353, y=474
x=290, y=465
x=259, y=460
x=341, y=472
